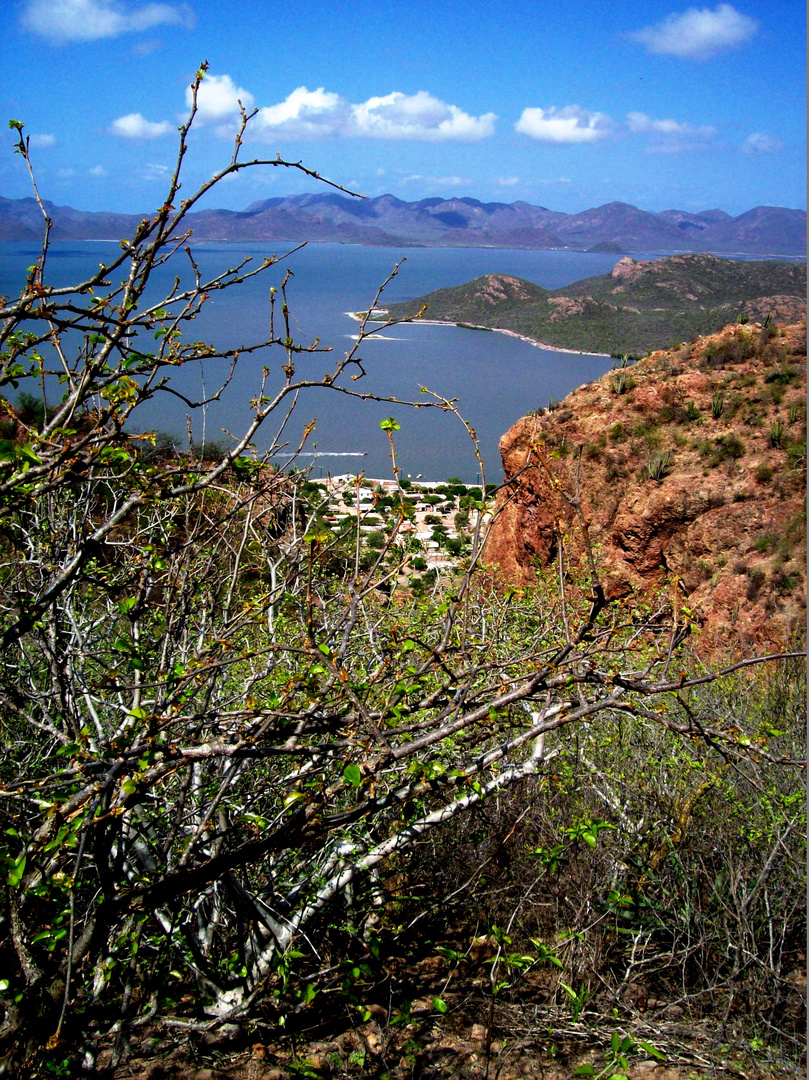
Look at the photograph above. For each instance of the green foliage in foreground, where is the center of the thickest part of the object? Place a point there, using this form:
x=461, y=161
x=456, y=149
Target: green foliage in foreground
x=239, y=766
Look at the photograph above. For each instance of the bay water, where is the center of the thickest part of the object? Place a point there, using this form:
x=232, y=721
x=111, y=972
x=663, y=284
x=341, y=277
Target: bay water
x=494, y=378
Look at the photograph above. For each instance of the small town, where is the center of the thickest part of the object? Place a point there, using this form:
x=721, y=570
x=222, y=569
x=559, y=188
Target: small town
x=441, y=521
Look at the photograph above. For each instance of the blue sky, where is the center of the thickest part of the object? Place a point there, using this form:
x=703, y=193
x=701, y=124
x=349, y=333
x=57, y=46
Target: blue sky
x=562, y=103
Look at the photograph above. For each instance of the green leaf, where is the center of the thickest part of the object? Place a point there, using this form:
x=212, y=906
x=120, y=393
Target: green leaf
x=655, y=1053
x=317, y=536
x=244, y=465
x=114, y=455
x=27, y=454
x=64, y=751
x=17, y=870
x=50, y=937
x=390, y=424
x=352, y=775
x=439, y=1005
x=584, y=1070
x=134, y=359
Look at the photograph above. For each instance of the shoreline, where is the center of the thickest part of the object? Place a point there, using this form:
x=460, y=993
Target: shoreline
x=357, y=317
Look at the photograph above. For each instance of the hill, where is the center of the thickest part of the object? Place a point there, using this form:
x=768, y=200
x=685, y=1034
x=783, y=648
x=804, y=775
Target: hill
x=437, y=222
x=691, y=467
x=637, y=307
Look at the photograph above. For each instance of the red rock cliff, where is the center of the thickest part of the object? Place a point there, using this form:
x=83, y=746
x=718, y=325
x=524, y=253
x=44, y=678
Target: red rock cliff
x=691, y=472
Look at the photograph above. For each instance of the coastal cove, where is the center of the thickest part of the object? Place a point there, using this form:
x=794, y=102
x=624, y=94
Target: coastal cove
x=495, y=377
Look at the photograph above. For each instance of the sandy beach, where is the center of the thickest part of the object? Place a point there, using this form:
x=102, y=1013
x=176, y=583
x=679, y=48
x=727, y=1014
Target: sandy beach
x=358, y=317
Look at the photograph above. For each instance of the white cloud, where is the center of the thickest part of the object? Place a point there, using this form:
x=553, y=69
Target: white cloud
x=218, y=98
x=641, y=123
x=135, y=126
x=42, y=142
x=146, y=48
x=670, y=136
x=507, y=181
x=762, y=142
x=565, y=126
x=98, y=170
x=418, y=116
x=319, y=113
x=60, y=21
x=66, y=174
x=437, y=181
x=698, y=33
x=305, y=114
x=151, y=171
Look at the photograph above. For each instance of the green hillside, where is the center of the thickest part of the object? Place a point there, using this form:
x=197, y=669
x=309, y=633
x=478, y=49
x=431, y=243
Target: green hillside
x=638, y=307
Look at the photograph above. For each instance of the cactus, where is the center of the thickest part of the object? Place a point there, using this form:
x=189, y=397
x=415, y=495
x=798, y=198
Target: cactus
x=658, y=467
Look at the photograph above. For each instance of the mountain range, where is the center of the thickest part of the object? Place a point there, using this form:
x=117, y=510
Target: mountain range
x=615, y=227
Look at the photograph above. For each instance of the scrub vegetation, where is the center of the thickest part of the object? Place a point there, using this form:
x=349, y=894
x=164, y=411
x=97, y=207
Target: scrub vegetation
x=255, y=784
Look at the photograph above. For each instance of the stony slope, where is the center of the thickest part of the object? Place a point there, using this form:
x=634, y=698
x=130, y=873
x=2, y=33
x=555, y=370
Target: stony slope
x=637, y=307
x=692, y=475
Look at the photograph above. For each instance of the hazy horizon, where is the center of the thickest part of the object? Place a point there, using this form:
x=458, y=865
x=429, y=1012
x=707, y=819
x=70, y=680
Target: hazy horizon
x=210, y=203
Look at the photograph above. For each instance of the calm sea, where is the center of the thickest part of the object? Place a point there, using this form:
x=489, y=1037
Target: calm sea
x=495, y=379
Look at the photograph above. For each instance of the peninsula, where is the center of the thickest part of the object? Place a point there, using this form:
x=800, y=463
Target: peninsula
x=638, y=307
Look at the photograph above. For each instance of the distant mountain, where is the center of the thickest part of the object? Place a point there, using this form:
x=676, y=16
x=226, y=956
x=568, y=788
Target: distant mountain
x=437, y=222
x=21, y=219
x=639, y=306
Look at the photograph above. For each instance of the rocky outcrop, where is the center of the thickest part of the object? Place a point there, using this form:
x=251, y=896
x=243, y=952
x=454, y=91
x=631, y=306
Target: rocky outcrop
x=690, y=470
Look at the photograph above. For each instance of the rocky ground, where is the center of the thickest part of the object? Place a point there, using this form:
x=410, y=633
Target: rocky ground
x=446, y=1047
x=690, y=466
x=479, y=1036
